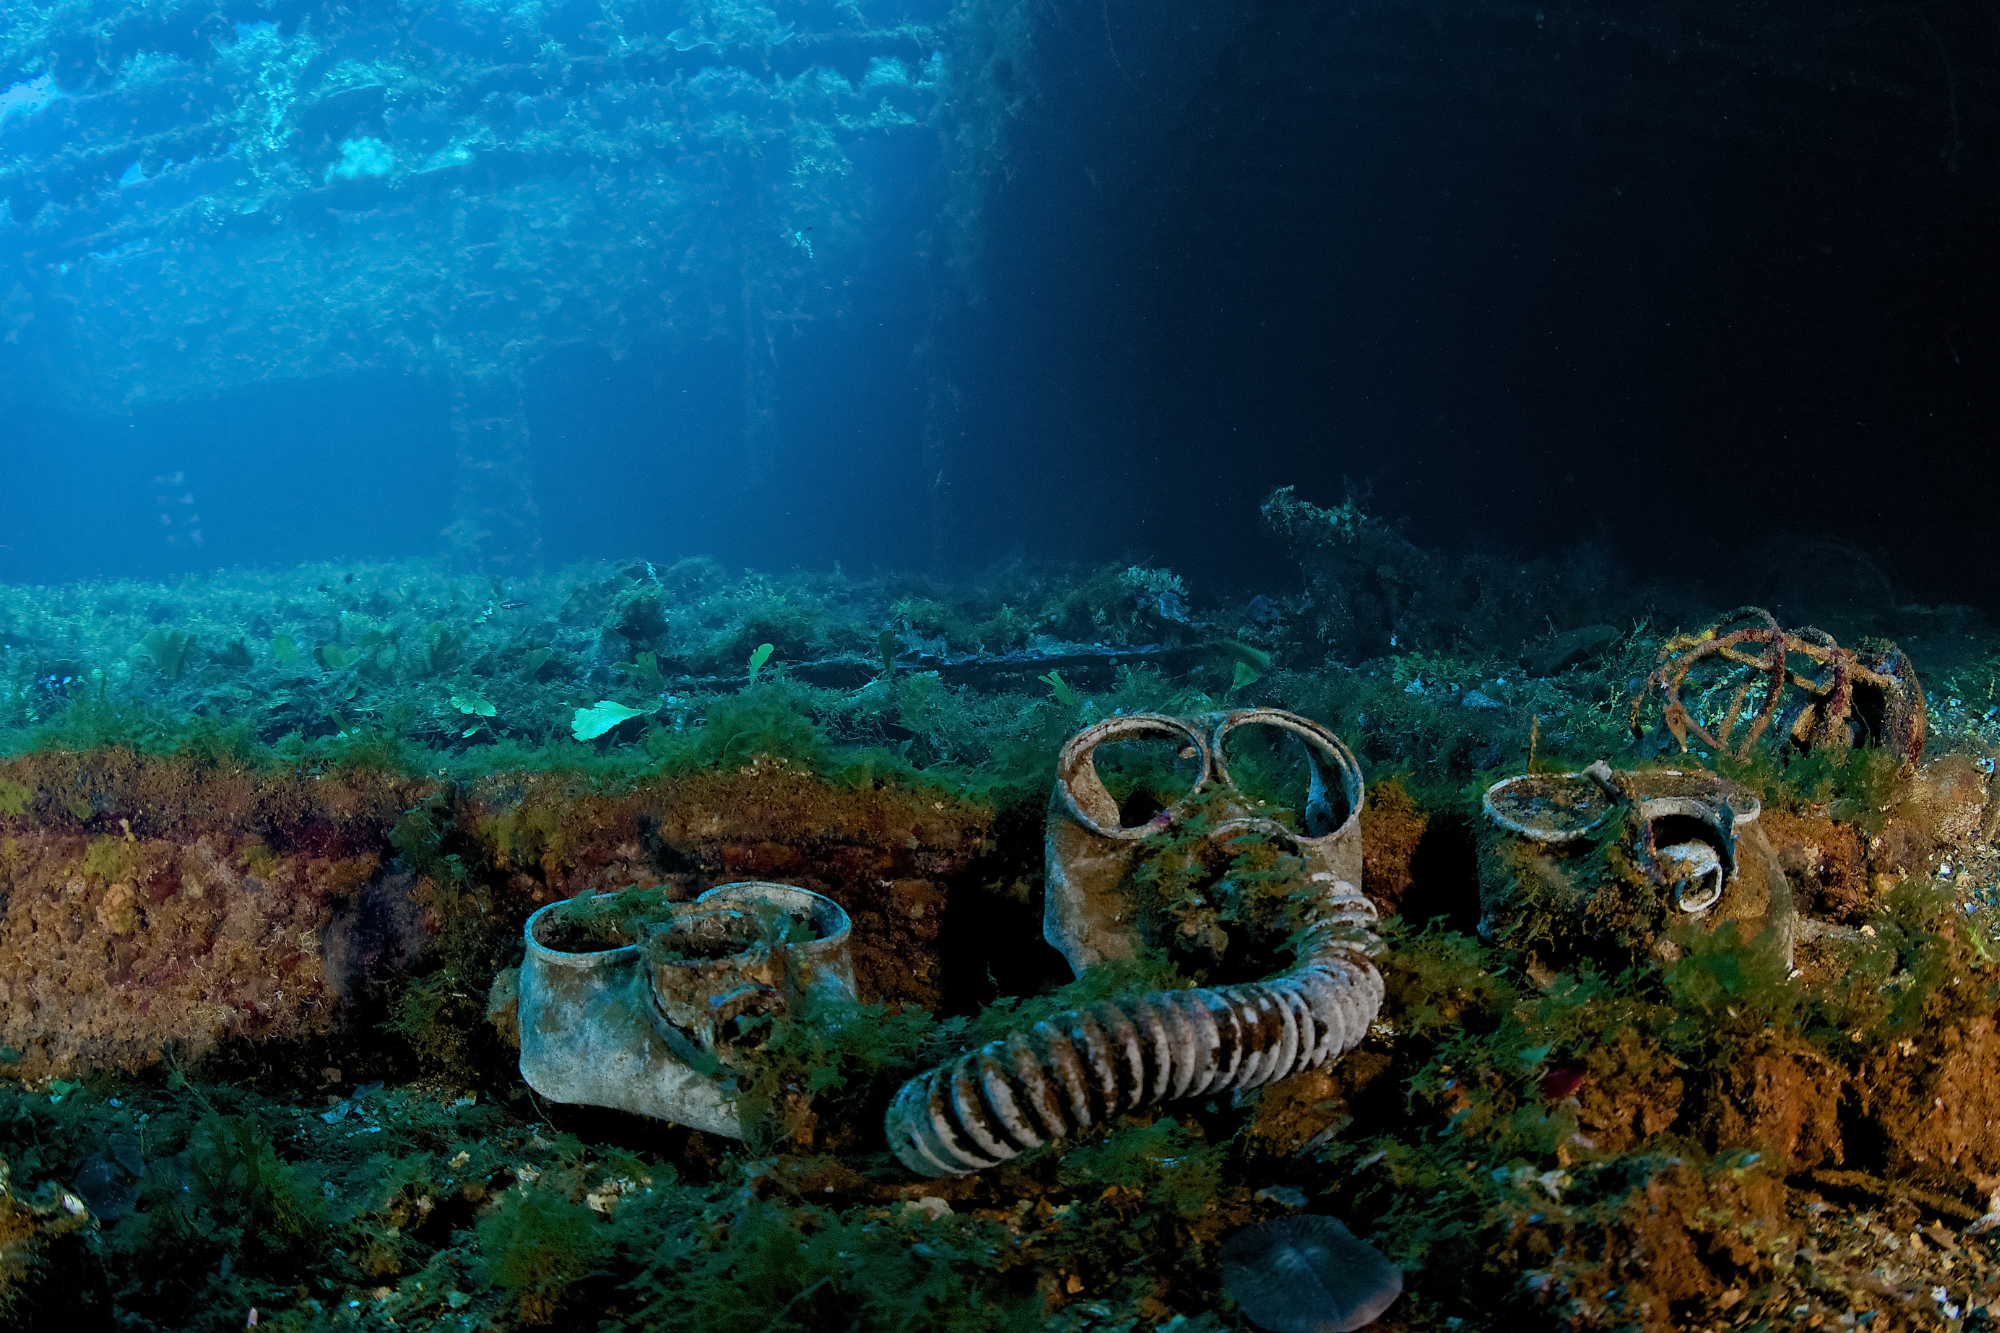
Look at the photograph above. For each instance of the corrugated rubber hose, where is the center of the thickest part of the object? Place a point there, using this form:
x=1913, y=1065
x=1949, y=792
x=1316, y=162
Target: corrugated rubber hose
x=1088, y=1065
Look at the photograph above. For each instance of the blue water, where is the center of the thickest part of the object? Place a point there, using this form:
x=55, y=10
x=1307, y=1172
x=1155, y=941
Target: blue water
x=927, y=285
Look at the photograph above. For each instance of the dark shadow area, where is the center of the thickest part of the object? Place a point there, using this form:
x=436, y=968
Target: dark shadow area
x=1444, y=876
x=1532, y=281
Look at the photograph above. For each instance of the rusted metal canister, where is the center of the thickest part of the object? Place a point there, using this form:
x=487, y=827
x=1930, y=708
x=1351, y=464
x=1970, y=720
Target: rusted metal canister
x=1614, y=865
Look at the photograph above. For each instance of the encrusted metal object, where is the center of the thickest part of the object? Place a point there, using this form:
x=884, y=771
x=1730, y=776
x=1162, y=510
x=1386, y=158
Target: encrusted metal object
x=1086, y=1066
x=718, y=961
x=1869, y=693
x=1690, y=849
x=634, y=1027
x=1091, y=912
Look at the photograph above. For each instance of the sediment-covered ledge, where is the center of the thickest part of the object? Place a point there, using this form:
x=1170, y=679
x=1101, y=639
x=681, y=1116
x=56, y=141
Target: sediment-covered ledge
x=174, y=905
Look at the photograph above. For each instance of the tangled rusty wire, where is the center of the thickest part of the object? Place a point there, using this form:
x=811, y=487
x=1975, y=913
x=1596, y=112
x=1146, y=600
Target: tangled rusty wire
x=1857, y=695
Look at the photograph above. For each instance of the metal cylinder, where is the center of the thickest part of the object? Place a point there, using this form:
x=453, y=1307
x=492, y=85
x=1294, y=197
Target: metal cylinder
x=716, y=962
x=1088, y=913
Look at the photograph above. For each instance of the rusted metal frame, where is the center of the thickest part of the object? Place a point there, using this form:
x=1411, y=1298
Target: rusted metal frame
x=1735, y=710
x=1779, y=647
x=1834, y=689
x=1671, y=673
x=1673, y=669
x=1831, y=690
x=1882, y=681
x=1761, y=662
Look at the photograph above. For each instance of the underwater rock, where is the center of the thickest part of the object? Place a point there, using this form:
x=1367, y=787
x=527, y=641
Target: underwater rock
x=1372, y=591
x=109, y=1183
x=1371, y=587
x=1571, y=648
x=636, y=615
x=1948, y=800
x=1308, y=1275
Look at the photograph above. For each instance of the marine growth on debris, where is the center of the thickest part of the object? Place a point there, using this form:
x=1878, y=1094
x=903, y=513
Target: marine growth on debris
x=1088, y=1066
x=262, y=892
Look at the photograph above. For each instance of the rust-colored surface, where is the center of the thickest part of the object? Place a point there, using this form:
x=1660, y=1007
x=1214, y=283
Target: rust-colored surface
x=1901, y=848
x=1937, y=1103
x=188, y=946
x=1631, y=1091
x=1686, y=1239
x=1825, y=861
x=1392, y=824
x=1307, y=1108
x=100, y=791
x=1946, y=798
x=151, y=904
x=886, y=855
x=1294, y=1111
x=1783, y=1098
x=1843, y=696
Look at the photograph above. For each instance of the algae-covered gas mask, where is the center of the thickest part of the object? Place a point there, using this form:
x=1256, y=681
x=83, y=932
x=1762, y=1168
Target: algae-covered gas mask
x=660, y=1025
x=1607, y=865
x=1097, y=862
x=1106, y=867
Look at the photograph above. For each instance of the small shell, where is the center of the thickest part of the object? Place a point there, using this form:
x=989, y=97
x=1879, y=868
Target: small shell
x=1308, y=1274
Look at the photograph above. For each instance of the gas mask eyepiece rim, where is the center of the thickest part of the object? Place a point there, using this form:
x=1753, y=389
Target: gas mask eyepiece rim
x=1083, y=792
x=1090, y=911
x=1327, y=757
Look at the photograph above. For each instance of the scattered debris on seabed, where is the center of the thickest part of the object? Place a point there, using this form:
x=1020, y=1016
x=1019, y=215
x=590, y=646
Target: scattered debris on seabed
x=268, y=842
